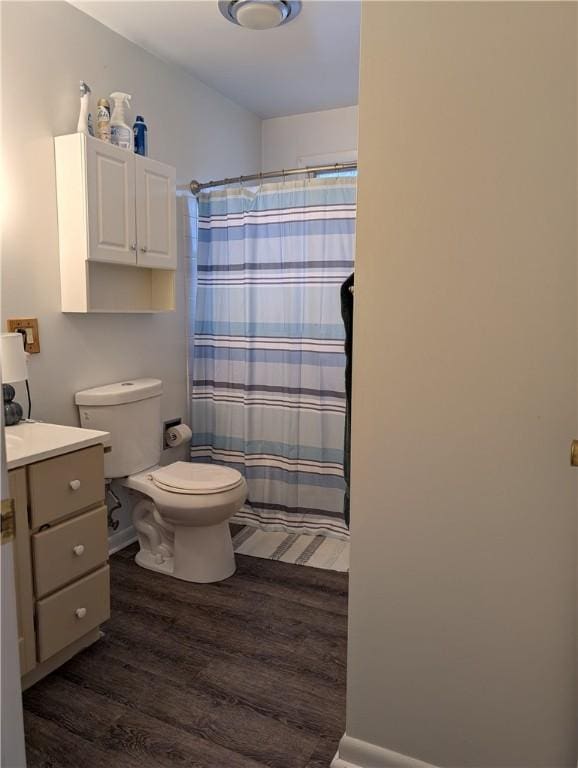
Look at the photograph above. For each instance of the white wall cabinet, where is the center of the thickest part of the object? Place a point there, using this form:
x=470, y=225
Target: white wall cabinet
x=117, y=228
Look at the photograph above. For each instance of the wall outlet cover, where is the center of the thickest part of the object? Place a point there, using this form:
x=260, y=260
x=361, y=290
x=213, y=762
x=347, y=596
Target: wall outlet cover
x=30, y=326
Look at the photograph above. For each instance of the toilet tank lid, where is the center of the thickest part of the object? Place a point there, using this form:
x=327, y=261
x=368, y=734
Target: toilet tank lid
x=129, y=391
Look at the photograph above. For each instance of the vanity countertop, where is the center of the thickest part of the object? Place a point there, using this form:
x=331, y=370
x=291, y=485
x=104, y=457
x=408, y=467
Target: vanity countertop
x=31, y=441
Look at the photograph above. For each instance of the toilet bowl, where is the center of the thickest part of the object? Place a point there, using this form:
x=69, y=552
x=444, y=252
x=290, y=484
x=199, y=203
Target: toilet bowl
x=182, y=517
x=183, y=520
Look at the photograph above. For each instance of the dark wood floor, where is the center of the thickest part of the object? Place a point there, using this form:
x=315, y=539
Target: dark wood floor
x=242, y=674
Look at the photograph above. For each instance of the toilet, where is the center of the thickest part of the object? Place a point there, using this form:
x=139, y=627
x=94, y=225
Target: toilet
x=182, y=519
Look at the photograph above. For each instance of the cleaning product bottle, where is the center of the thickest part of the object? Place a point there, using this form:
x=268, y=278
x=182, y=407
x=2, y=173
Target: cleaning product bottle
x=103, y=120
x=140, y=136
x=83, y=117
x=120, y=133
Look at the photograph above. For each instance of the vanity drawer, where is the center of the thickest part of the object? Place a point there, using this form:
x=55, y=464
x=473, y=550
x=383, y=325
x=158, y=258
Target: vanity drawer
x=64, y=485
x=67, y=551
x=70, y=613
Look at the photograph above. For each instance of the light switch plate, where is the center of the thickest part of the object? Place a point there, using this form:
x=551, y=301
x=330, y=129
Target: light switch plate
x=30, y=325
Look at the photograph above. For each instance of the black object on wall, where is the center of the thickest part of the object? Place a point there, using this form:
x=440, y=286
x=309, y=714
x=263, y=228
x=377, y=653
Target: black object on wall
x=347, y=315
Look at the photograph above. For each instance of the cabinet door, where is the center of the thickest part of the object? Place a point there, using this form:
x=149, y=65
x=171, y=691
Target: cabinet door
x=111, y=203
x=156, y=214
x=23, y=571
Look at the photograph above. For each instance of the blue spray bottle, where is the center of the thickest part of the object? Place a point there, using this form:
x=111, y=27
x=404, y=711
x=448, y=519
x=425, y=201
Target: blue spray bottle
x=140, y=136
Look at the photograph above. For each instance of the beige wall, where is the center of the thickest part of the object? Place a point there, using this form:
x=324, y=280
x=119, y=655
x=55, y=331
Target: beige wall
x=463, y=565
x=297, y=140
x=47, y=48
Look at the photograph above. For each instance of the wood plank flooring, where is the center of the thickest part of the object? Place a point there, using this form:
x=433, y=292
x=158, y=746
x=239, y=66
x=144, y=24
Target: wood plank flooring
x=243, y=674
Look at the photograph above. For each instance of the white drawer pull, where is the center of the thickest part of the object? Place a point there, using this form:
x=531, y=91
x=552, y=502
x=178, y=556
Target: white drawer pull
x=78, y=550
x=80, y=613
x=75, y=484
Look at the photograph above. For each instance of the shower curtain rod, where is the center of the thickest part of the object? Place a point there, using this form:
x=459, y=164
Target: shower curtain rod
x=196, y=186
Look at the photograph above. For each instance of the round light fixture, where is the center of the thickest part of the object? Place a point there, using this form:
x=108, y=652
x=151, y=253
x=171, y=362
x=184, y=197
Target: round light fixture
x=259, y=14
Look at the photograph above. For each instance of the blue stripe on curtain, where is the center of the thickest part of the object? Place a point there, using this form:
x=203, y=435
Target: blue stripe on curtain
x=275, y=231
x=228, y=328
x=286, y=195
x=266, y=356
x=249, y=266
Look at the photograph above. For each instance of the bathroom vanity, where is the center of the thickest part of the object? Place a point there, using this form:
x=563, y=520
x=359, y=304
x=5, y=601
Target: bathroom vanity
x=56, y=478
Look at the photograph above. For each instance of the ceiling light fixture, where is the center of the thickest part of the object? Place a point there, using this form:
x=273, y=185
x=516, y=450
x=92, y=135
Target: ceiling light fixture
x=259, y=14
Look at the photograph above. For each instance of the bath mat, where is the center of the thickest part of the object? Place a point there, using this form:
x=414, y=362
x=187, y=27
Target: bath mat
x=314, y=551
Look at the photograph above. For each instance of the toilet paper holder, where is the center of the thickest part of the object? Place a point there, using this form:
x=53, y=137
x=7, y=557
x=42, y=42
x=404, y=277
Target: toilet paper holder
x=169, y=440
x=166, y=426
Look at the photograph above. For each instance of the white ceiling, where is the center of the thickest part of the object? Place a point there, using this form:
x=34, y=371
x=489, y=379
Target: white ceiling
x=309, y=64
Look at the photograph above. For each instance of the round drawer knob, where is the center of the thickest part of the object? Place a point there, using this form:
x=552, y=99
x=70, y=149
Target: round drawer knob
x=78, y=550
x=80, y=613
x=75, y=484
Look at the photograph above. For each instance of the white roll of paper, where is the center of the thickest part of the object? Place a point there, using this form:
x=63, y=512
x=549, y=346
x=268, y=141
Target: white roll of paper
x=178, y=435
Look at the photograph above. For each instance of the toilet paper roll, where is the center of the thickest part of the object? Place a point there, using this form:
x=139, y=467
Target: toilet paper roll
x=178, y=435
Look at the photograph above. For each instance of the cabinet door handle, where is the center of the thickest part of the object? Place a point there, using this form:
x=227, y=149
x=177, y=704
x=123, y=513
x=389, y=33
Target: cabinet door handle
x=133, y=246
x=74, y=484
x=80, y=613
x=78, y=550
x=144, y=249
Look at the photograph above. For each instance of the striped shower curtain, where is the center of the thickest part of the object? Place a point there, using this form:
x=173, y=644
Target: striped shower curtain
x=266, y=355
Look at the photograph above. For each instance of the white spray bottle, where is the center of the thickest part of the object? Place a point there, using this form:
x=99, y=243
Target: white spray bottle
x=84, y=116
x=120, y=132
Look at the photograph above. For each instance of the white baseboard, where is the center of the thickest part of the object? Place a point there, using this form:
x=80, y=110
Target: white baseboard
x=121, y=539
x=354, y=753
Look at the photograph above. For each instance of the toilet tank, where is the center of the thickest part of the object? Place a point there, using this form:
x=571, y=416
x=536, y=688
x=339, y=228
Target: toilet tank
x=131, y=412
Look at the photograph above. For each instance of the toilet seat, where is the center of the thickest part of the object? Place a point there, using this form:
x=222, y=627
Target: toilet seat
x=192, y=479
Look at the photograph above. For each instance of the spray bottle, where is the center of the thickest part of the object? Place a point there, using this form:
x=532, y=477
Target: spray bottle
x=103, y=120
x=140, y=130
x=120, y=133
x=84, y=116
